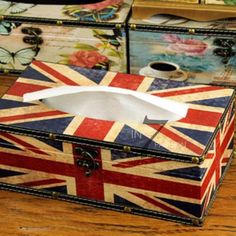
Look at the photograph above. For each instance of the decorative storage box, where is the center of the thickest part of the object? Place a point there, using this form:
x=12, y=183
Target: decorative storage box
x=90, y=35
x=171, y=171
x=198, y=52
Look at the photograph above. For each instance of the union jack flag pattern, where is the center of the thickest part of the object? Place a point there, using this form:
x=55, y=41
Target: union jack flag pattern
x=180, y=187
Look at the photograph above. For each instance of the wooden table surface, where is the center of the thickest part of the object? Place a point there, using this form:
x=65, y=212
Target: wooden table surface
x=27, y=215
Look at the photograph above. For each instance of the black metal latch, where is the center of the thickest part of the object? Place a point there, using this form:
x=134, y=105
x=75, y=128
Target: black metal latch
x=87, y=159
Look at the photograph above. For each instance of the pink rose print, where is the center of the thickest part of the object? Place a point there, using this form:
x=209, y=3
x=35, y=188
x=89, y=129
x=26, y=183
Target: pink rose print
x=190, y=47
x=102, y=5
x=87, y=59
x=171, y=38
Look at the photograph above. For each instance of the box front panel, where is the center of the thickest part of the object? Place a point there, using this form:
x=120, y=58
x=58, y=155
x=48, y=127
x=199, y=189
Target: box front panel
x=193, y=58
x=124, y=179
x=84, y=47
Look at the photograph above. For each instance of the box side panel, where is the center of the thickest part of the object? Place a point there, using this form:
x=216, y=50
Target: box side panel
x=196, y=58
x=218, y=158
x=85, y=47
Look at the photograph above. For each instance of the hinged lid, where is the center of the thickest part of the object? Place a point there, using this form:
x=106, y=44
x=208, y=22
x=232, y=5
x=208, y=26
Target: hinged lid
x=175, y=24
x=187, y=139
x=107, y=12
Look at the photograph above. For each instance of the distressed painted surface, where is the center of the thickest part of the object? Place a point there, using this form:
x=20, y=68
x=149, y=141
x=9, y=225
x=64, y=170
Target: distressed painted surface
x=200, y=58
x=92, y=48
x=167, y=186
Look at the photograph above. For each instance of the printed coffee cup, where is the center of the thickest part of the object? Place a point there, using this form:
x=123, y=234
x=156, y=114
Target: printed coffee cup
x=166, y=70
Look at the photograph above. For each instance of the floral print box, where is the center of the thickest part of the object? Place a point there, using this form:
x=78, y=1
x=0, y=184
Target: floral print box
x=90, y=35
x=184, y=50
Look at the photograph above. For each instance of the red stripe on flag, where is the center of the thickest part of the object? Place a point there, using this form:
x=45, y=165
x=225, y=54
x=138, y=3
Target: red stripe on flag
x=187, y=91
x=19, y=88
x=199, y=117
x=129, y=164
x=30, y=116
x=66, y=80
x=122, y=179
x=24, y=144
x=220, y=149
x=93, y=128
x=90, y=187
x=228, y=137
x=225, y=160
x=218, y=161
x=209, y=155
x=206, y=200
x=178, y=139
x=43, y=182
x=158, y=204
x=45, y=166
x=182, y=141
x=127, y=81
x=152, y=184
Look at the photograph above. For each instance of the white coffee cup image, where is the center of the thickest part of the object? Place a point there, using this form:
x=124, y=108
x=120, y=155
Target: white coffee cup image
x=165, y=70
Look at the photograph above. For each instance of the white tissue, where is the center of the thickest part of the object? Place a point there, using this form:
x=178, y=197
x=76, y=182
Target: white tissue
x=109, y=103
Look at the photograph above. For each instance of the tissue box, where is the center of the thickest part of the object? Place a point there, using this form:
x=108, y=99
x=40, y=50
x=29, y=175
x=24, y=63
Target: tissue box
x=197, y=52
x=171, y=171
x=86, y=35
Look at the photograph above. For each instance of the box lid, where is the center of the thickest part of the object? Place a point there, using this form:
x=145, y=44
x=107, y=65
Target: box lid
x=187, y=139
x=172, y=23
x=115, y=11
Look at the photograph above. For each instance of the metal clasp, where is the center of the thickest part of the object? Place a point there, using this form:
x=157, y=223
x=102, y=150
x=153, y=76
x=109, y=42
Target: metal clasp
x=87, y=160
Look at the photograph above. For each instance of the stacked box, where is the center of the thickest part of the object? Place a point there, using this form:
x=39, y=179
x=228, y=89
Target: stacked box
x=197, y=52
x=87, y=35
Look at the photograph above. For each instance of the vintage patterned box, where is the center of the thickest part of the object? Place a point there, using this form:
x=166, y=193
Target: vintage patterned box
x=168, y=170
x=198, y=52
x=89, y=35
